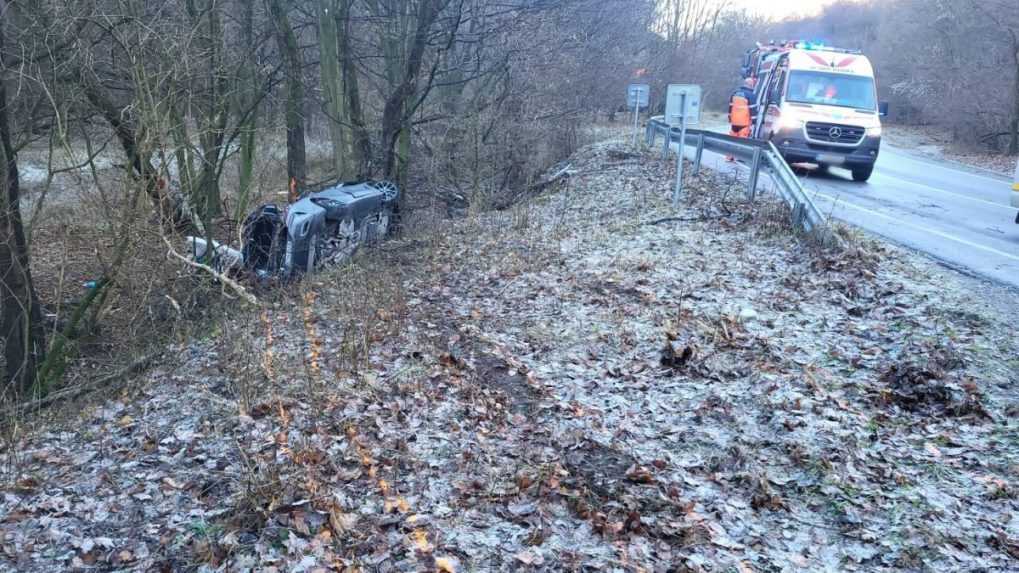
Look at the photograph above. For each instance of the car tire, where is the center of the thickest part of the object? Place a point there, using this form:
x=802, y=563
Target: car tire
x=862, y=174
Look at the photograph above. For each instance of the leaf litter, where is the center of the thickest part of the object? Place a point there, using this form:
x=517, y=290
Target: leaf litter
x=587, y=380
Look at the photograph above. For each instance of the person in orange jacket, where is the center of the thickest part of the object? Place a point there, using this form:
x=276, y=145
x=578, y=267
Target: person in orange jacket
x=740, y=111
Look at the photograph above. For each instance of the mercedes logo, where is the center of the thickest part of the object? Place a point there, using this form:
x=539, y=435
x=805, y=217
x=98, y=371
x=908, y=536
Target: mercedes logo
x=835, y=132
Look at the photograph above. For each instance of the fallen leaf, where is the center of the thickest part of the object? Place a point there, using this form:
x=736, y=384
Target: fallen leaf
x=341, y=521
x=639, y=474
x=445, y=565
x=528, y=557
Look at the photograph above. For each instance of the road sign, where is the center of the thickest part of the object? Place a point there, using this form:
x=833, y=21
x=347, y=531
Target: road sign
x=675, y=97
x=682, y=108
x=638, y=95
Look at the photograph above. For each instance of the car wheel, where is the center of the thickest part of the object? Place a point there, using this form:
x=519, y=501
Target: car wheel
x=862, y=174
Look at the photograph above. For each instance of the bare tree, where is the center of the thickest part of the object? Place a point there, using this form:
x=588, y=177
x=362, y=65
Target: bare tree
x=286, y=40
x=482, y=94
x=20, y=318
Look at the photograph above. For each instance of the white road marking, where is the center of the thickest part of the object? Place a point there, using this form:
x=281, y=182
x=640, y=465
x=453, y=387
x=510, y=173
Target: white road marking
x=839, y=201
x=950, y=167
x=959, y=195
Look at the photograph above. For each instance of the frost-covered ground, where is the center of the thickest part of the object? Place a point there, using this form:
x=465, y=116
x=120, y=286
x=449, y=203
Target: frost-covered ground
x=588, y=381
x=940, y=144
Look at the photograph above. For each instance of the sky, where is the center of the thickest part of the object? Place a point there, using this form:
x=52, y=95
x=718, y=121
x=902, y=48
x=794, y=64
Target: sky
x=779, y=9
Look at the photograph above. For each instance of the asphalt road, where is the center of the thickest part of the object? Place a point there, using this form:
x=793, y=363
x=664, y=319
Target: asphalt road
x=958, y=215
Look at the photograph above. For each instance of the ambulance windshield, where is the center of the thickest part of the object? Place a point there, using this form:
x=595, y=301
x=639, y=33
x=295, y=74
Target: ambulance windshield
x=832, y=89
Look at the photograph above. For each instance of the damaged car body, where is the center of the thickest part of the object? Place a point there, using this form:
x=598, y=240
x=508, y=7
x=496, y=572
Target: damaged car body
x=321, y=228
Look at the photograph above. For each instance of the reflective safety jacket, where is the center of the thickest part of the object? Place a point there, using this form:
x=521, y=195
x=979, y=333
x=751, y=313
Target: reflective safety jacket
x=739, y=110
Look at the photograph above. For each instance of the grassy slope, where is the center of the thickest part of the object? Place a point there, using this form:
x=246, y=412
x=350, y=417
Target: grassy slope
x=490, y=394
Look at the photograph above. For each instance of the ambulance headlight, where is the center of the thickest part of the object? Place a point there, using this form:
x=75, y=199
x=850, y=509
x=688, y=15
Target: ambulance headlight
x=874, y=131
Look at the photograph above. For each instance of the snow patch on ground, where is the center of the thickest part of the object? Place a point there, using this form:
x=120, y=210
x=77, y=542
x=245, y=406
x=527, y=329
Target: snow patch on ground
x=32, y=175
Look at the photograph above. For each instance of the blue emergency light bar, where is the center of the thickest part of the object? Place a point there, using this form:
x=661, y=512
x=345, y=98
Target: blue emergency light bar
x=819, y=46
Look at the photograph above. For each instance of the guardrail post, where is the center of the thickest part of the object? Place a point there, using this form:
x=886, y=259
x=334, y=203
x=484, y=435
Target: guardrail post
x=699, y=154
x=798, y=215
x=755, y=170
x=679, y=171
x=649, y=135
x=636, y=118
x=665, y=144
x=679, y=178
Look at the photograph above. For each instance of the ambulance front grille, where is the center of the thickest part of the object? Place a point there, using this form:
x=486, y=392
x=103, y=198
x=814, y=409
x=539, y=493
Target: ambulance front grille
x=834, y=133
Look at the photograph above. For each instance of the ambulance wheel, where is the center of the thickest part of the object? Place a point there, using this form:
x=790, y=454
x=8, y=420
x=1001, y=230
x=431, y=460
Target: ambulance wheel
x=862, y=174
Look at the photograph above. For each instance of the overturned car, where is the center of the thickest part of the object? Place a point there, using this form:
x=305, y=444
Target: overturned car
x=323, y=227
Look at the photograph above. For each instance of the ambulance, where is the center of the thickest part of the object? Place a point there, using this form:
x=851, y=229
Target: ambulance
x=818, y=105
x=756, y=61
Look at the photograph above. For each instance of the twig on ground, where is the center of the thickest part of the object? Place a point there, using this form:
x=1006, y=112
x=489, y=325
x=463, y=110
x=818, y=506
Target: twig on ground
x=75, y=391
x=681, y=219
x=227, y=281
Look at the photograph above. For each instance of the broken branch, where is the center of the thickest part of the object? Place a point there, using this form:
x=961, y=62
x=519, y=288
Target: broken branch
x=227, y=281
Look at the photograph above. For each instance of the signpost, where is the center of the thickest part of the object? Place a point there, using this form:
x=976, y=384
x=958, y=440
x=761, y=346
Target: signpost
x=683, y=101
x=637, y=96
x=682, y=108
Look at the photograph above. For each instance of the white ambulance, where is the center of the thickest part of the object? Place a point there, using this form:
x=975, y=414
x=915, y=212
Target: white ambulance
x=819, y=105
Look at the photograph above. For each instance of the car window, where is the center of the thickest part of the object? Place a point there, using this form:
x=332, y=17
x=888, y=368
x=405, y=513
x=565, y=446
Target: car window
x=776, y=86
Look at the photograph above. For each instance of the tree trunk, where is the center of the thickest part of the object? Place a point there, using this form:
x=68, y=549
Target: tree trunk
x=216, y=108
x=394, y=116
x=20, y=317
x=19, y=331
x=246, y=108
x=246, y=167
x=287, y=42
x=361, y=151
x=334, y=93
x=403, y=154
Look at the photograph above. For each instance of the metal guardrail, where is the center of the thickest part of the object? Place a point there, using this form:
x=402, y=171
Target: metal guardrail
x=759, y=154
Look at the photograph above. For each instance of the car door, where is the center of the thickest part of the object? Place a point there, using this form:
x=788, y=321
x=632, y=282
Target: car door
x=771, y=108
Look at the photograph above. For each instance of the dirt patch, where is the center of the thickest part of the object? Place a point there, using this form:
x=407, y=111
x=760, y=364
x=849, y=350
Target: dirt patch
x=623, y=499
x=598, y=469
x=495, y=373
x=926, y=380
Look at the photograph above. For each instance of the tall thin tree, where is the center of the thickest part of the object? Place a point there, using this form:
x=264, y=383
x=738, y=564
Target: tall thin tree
x=20, y=317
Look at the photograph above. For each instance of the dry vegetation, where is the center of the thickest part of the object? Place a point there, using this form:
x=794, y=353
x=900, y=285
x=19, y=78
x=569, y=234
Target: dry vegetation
x=587, y=380
x=532, y=376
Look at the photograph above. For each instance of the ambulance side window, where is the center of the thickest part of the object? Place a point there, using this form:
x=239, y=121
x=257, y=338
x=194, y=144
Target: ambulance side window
x=775, y=91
